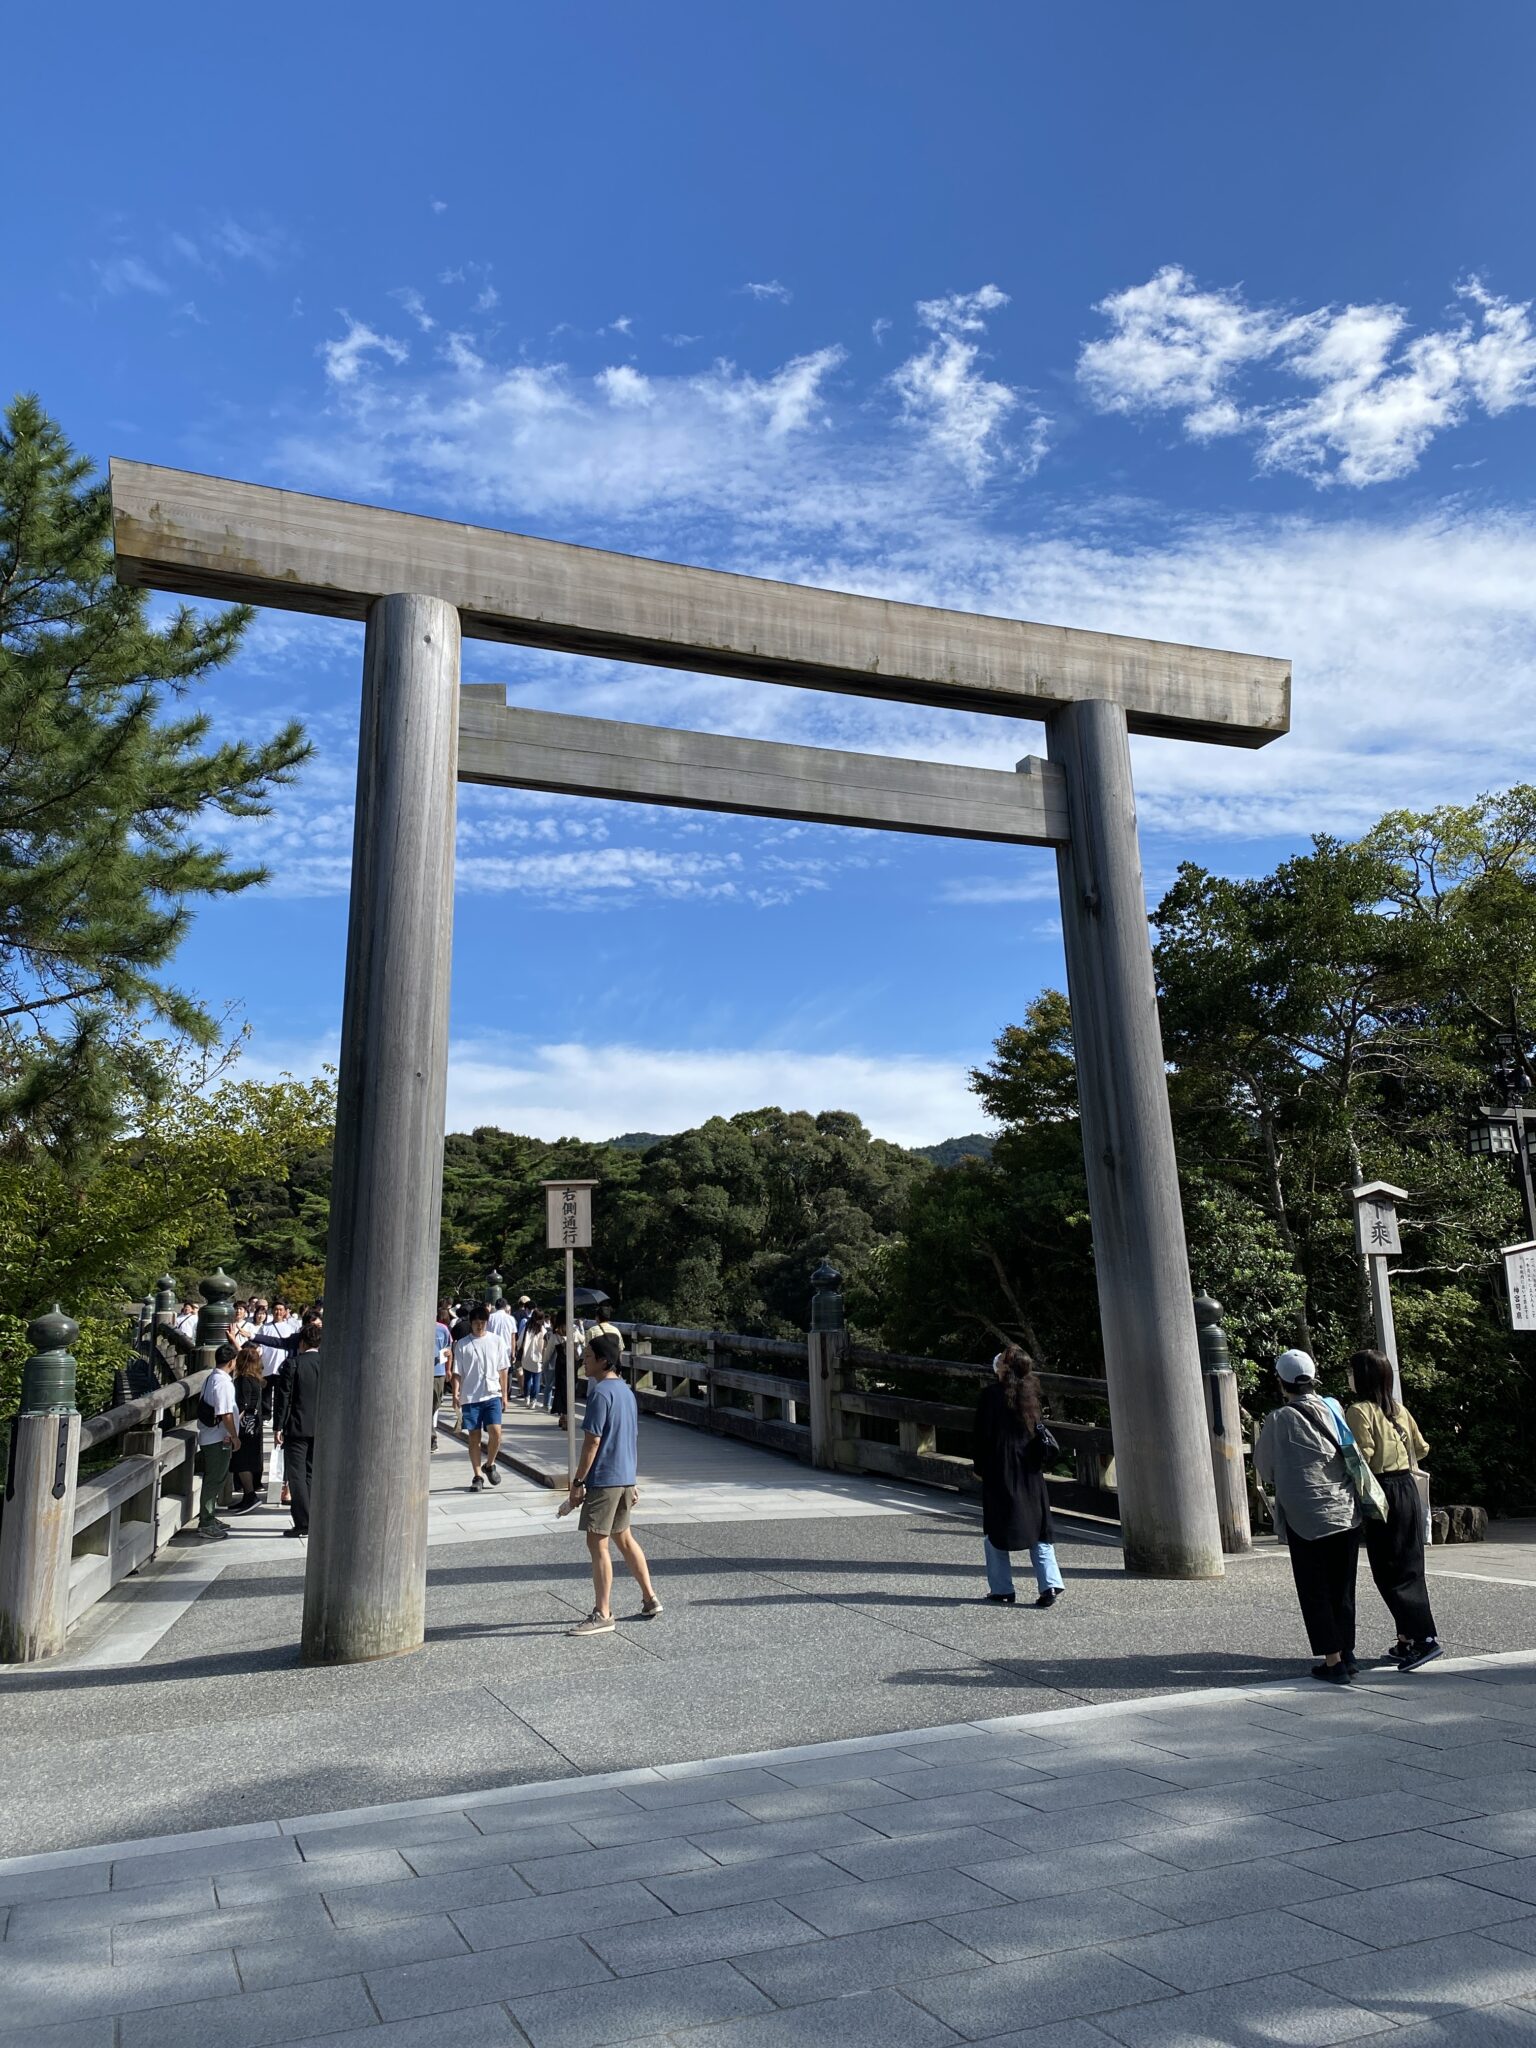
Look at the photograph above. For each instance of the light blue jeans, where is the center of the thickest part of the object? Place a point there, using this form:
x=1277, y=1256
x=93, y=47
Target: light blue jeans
x=1000, y=1568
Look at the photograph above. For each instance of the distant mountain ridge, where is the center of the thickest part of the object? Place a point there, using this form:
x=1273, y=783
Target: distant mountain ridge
x=948, y=1152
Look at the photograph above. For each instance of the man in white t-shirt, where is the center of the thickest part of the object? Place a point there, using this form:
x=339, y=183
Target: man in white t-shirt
x=268, y=1337
x=217, y=1436
x=501, y=1324
x=481, y=1363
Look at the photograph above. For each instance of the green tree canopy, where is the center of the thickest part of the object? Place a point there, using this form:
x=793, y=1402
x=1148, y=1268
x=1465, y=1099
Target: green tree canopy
x=102, y=787
x=1330, y=1022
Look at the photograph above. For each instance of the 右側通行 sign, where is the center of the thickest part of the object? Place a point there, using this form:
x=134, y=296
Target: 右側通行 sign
x=569, y=1217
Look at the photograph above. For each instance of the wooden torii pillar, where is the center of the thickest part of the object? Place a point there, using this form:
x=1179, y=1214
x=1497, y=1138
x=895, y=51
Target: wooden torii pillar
x=417, y=584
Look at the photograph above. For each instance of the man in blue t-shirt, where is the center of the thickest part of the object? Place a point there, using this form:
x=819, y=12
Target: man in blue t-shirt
x=604, y=1487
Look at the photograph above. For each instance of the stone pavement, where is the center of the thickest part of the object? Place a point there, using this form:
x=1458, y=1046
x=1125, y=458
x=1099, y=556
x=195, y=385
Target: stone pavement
x=860, y=1618
x=1285, y=1864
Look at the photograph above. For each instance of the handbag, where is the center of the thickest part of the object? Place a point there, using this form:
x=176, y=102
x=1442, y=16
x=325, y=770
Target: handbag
x=1367, y=1487
x=1421, y=1484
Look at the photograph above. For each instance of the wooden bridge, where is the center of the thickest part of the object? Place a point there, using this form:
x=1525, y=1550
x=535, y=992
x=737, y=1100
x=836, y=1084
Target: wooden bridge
x=88, y=1502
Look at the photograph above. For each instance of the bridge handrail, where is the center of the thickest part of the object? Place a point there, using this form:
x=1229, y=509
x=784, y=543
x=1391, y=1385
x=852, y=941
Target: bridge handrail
x=142, y=1410
x=1079, y=1384
x=723, y=1340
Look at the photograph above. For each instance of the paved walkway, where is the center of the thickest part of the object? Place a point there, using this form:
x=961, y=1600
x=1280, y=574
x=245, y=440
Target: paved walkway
x=799, y=1608
x=690, y=1478
x=1282, y=1865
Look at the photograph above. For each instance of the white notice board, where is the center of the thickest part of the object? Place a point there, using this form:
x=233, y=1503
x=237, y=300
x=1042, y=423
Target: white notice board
x=1520, y=1277
x=569, y=1217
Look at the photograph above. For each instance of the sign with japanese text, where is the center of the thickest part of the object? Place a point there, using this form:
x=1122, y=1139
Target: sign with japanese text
x=1520, y=1278
x=569, y=1217
x=1376, y=1226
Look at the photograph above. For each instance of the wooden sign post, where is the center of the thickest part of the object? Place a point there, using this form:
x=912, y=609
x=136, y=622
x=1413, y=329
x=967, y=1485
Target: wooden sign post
x=1377, y=1239
x=568, y=1228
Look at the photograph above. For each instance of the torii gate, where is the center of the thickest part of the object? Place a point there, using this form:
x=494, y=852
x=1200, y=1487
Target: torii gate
x=418, y=584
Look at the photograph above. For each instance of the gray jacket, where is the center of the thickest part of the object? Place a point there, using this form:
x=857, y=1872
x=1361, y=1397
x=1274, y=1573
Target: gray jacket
x=1297, y=1455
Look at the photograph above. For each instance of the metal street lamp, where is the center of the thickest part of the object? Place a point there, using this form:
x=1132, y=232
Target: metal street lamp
x=1509, y=1131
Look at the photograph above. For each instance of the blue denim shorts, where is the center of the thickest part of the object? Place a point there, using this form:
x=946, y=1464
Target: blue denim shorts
x=482, y=1414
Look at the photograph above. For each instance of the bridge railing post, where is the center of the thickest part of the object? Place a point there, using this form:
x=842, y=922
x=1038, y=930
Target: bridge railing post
x=826, y=1349
x=640, y=1375
x=42, y=1471
x=1226, y=1423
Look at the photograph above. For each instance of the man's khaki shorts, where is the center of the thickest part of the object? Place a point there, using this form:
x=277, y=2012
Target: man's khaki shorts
x=606, y=1509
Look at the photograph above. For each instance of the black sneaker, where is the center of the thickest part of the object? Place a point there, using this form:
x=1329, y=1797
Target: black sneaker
x=243, y=1507
x=1333, y=1674
x=1420, y=1653
x=1049, y=1598
x=493, y=1473
x=291, y=1531
x=999, y=1599
x=476, y=1483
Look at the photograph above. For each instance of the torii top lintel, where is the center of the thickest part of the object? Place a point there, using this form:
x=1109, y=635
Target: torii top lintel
x=205, y=536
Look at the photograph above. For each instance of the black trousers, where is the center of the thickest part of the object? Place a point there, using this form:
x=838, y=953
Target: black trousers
x=1395, y=1548
x=298, y=1468
x=1324, y=1570
x=245, y=1466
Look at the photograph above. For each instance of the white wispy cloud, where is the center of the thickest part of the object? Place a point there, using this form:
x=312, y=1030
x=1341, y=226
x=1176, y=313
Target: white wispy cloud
x=589, y=875
x=1372, y=396
x=244, y=242
x=771, y=290
x=343, y=358
x=411, y=301
x=525, y=438
x=128, y=273
x=961, y=412
x=1414, y=641
x=1025, y=887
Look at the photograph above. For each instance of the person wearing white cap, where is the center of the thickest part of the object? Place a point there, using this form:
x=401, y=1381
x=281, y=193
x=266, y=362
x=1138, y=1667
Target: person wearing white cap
x=1317, y=1512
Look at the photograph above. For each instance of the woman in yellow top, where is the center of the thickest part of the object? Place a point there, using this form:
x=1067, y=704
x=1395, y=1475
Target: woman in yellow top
x=1392, y=1444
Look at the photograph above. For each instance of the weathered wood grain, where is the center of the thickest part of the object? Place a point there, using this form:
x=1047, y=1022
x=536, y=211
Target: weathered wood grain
x=37, y=1537
x=365, y=1582
x=209, y=537
x=1146, y=1309
x=519, y=748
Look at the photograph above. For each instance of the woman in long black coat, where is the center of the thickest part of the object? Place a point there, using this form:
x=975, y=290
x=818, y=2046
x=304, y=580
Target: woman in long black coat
x=1010, y=1451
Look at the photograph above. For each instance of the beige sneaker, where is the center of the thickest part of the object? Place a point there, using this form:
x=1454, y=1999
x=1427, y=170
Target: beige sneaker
x=595, y=1625
x=649, y=1609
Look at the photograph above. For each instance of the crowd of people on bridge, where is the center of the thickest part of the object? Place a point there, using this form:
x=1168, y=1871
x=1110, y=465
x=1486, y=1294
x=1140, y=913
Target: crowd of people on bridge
x=484, y=1356
x=1338, y=1479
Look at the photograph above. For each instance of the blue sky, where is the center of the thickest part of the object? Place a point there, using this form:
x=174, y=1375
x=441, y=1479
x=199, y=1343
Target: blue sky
x=1192, y=320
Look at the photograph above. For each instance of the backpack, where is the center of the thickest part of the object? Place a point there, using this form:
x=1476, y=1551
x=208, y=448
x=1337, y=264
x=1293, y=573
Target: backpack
x=207, y=1415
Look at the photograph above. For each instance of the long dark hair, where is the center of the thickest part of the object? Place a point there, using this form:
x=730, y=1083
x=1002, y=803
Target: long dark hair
x=1021, y=1390
x=1370, y=1374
